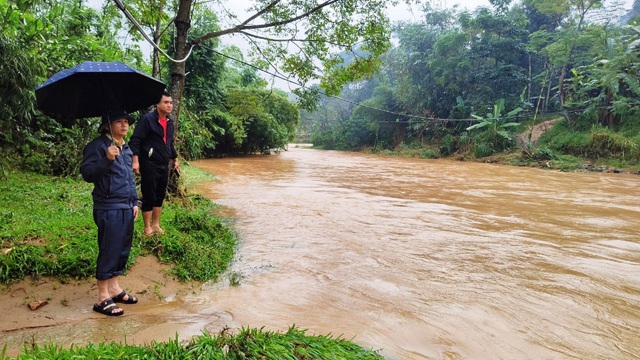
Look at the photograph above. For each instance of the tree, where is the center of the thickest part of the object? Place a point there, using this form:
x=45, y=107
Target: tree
x=268, y=118
x=564, y=48
x=610, y=87
x=300, y=37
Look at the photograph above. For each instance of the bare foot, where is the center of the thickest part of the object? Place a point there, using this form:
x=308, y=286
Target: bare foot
x=158, y=229
x=148, y=231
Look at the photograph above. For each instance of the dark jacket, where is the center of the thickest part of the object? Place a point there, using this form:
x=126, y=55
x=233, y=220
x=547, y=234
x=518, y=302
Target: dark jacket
x=114, y=186
x=148, y=135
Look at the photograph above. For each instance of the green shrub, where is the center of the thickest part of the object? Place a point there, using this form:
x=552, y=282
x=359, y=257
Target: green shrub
x=429, y=154
x=447, y=145
x=483, y=150
x=540, y=154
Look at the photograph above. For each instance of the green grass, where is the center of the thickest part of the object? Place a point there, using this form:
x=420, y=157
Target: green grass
x=47, y=229
x=247, y=344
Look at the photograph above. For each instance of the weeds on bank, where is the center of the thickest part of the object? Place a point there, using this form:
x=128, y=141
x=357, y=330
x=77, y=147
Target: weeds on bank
x=47, y=229
x=247, y=344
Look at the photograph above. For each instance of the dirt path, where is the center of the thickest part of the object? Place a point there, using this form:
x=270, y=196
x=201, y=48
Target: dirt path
x=532, y=135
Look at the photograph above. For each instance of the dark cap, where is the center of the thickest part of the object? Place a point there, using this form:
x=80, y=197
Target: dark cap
x=116, y=115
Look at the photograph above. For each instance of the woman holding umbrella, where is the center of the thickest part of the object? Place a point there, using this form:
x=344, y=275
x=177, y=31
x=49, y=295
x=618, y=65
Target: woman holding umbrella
x=107, y=163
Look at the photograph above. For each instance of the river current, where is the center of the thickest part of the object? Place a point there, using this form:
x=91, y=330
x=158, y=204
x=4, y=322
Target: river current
x=432, y=259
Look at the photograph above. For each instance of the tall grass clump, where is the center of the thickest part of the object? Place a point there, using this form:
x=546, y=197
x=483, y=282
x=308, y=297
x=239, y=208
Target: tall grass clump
x=605, y=143
x=597, y=143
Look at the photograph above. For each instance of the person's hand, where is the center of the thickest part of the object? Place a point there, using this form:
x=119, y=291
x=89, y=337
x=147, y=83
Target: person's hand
x=176, y=164
x=136, y=165
x=112, y=152
x=136, y=209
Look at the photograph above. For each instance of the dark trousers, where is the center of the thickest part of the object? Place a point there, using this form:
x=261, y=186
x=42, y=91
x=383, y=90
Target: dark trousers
x=115, y=235
x=153, y=185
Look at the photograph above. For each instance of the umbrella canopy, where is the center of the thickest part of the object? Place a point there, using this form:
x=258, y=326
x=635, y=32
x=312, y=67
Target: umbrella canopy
x=93, y=89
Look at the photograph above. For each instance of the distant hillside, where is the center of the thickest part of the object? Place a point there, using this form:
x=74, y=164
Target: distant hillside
x=634, y=12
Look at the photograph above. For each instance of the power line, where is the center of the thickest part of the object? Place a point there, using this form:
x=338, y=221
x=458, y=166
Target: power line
x=371, y=107
x=334, y=96
x=135, y=23
x=419, y=117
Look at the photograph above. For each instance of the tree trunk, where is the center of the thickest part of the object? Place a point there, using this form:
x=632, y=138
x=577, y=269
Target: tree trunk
x=156, y=54
x=183, y=23
x=530, y=81
x=176, y=87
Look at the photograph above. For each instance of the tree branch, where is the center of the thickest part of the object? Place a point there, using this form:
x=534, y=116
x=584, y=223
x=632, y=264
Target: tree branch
x=244, y=26
x=255, y=36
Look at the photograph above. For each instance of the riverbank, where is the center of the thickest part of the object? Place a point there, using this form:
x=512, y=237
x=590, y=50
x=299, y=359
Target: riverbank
x=528, y=153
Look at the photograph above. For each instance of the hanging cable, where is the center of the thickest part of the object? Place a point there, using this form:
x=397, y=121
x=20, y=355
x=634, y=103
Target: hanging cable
x=336, y=97
x=144, y=34
x=155, y=46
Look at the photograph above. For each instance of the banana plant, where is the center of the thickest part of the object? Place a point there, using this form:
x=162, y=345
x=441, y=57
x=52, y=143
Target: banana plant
x=495, y=127
x=496, y=122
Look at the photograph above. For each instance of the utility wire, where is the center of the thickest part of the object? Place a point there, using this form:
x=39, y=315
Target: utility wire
x=371, y=107
x=144, y=34
x=334, y=96
x=155, y=46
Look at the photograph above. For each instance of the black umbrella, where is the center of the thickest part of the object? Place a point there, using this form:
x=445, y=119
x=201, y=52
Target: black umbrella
x=93, y=89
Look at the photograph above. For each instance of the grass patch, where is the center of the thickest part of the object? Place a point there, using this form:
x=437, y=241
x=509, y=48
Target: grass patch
x=247, y=344
x=193, y=174
x=47, y=229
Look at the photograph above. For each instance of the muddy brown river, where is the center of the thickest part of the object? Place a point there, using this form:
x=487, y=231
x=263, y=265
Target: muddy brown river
x=432, y=259
x=418, y=259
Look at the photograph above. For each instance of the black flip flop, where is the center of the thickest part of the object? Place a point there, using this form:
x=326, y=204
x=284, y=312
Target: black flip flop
x=120, y=298
x=107, y=307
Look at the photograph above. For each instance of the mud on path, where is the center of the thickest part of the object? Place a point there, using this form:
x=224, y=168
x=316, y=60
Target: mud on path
x=68, y=316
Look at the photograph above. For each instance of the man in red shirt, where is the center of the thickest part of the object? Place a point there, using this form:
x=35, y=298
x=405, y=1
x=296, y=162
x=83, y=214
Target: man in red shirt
x=152, y=144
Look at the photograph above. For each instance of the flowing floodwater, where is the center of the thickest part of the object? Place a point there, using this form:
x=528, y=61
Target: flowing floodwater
x=431, y=259
x=418, y=259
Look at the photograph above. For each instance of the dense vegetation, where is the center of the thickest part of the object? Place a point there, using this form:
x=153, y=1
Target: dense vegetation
x=464, y=83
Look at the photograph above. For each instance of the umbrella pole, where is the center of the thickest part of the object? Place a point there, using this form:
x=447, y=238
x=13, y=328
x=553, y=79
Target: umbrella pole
x=110, y=130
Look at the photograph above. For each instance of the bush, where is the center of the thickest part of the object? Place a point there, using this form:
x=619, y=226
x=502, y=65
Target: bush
x=447, y=145
x=483, y=150
x=540, y=154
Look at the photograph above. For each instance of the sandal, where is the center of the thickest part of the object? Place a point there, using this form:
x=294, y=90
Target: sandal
x=107, y=307
x=120, y=298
